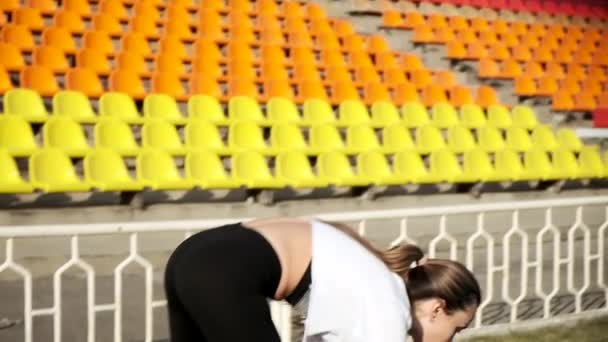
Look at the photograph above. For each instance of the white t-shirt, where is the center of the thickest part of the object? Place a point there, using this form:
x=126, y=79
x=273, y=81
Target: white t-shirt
x=354, y=297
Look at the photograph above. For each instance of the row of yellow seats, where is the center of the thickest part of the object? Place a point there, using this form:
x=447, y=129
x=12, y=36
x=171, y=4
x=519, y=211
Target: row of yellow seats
x=51, y=170
x=17, y=137
x=29, y=105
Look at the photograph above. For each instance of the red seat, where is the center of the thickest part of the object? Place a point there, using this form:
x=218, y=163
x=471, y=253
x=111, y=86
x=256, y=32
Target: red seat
x=600, y=118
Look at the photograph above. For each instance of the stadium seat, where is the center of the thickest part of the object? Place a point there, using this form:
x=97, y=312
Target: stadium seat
x=5, y=81
x=251, y=169
x=99, y=41
x=317, y=111
x=16, y=136
x=162, y=135
x=204, y=135
x=414, y=114
x=156, y=169
x=567, y=139
x=81, y=7
x=205, y=169
x=499, y=116
x=524, y=117
x=44, y=6
x=293, y=168
x=116, y=135
x=590, y=163
x=543, y=138
x=282, y=110
x=246, y=135
x=486, y=96
x=525, y=85
x=405, y=93
x=325, y=137
x=105, y=170
x=84, y=81
x=396, y=137
x=444, y=115
x=540, y=167
x=242, y=108
x=25, y=103
x=63, y=133
x=472, y=116
x=565, y=161
x=433, y=94
x=460, y=96
x=360, y=138
x=70, y=21
x=445, y=167
x=127, y=82
x=476, y=162
x=11, y=58
x=562, y=101
x=287, y=137
x=206, y=108
x=92, y=60
x=353, y=112
x=163, y=107
x=74, y=105
x=384, y=113
x=509, y=164
x=334, y=167
x=518, y=139
x=39, y=79
x=429, y=139
x=51, y=170
x=120, y=106
x=460, y=139
x=374, y=167
x=490, y=139
x=409, y=166
x=18, y=36
x=10, y=180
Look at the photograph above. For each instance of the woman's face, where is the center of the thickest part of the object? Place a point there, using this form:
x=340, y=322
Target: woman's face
x=432, y=323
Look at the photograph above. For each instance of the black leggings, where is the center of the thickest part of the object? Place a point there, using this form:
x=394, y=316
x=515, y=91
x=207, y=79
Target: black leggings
x=217, y=284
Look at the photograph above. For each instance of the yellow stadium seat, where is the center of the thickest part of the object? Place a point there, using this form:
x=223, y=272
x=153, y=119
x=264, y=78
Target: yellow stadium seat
x=287, y=137
x=334, y=167
x=26, y=104
x=119, y=105
x=361, y=138
x=19, y=36
x=490, y=139
x=567, y=139
x=472, y=116
x=65, y=134
x=374, y=167
x=205, y=169
x=127, y=82
x=409, y=166
x=116, y=135
x=282, y=110
x=429, y=139
x=590, y=163
x=508, y=163
x=251, y=169
x=445, y=167
x=74, y=105
x=156, y=169
x=524, y=117
x=10, y=180
x=353, y=112
x=11, y=58
x=243, y=108
x=566, y=162
x=105, y=170
x=476, y=162
x=203, y=135
x=460, y=139
x=384, y=113
x=325, y=137
x=51, y=170
x=247, y=136
x=39, y=79
x=294, y=169
x=540, y=167
x=543, y=138
x=499, y=116
x=518, y=139
x=397, y=138
x=316, y=111
x=16, y=136
x=162, y=135
x=444, y=115
x=206, y=108
x=415, y=114
x=163, y=107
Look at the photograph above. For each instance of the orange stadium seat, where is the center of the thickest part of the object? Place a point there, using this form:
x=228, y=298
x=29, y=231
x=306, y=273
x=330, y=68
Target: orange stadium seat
x=460, y=95
x=99, y=41
x=486, y=96
x=143, y=25
x=547, y=85
x=108, y=24
x=93, y=60
x=433, y=94
x=51, y=58
x=132, y=61
x=525, y=86
x=11, y=58
x=488, y=68
x=510, y=69
x=562, y=101
x=40, y=79
x=393, y=19
x=5, y=81
x=45, y=6
x=405, y=93
x=70, y=21
x=128, y=82
x=81, y=7
x=84, y=81
x=206, y=86
x=59, y=38
x=413, y=20
x=411, y=62
x=19, y=36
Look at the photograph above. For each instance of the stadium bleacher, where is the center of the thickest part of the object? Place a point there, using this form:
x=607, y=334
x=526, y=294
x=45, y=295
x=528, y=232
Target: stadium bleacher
x=122, y=95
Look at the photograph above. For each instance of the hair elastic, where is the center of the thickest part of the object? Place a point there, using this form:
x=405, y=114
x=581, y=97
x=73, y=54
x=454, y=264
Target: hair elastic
x=419, y=262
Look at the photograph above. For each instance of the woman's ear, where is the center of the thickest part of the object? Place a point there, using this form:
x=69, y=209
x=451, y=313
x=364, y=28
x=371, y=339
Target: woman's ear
x=438, y=307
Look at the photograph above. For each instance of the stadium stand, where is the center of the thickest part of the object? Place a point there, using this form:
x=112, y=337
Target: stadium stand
x=171, y=95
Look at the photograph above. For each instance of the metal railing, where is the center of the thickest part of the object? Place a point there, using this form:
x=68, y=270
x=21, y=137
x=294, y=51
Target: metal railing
x=523, y=265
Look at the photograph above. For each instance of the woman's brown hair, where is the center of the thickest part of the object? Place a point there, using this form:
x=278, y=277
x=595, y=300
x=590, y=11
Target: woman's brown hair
x=435, y=278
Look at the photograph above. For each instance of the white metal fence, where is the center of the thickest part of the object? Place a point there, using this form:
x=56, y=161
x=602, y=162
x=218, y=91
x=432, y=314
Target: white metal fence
x=534, y=259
